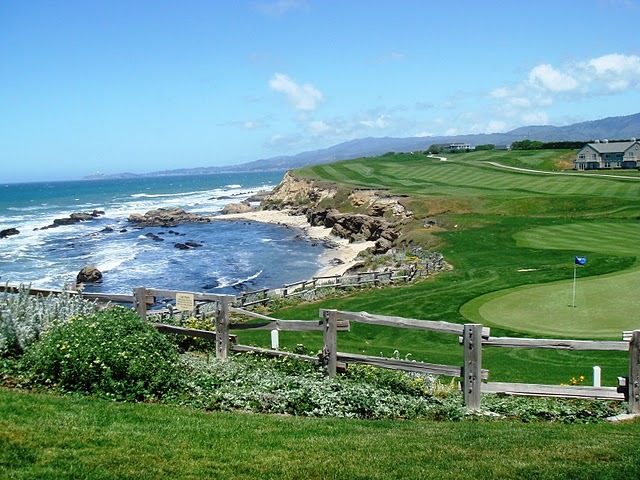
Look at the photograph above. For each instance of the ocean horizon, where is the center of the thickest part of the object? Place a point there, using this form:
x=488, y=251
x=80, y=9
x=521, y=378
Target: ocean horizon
x=231, y=255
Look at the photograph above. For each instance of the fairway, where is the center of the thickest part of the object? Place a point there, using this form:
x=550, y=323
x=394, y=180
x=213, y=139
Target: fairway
x=604, y=305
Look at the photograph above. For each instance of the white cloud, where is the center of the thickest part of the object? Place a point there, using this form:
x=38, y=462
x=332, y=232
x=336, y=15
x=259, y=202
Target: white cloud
x=617, y=72
x=303, y=97
x=548, y=78
x=424, y=134
x=251, y=125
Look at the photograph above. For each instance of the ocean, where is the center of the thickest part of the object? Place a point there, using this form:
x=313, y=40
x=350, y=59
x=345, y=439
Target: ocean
x=233, y=256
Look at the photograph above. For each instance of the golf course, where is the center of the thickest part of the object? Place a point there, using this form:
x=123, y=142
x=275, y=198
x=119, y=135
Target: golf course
x=511, y=237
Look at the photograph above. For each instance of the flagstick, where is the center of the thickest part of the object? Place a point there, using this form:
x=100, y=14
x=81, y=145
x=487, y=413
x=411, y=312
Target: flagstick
x=573, y=303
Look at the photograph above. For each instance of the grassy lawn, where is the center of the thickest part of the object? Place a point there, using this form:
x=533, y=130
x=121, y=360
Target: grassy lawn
x=48, y=437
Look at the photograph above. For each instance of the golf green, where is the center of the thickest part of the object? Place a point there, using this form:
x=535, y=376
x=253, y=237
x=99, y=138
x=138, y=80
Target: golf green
x=603, y=306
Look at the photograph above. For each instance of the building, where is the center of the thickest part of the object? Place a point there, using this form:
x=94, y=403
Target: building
x=454, y=147
x=605, y=154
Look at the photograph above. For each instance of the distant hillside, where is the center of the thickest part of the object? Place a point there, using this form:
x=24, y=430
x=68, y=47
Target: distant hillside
x=610, y=128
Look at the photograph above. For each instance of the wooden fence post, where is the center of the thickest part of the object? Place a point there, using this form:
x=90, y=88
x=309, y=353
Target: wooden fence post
x=330, y=350
x=472, y=368
x=140, y=302
x=634, y=373
x=222, y=328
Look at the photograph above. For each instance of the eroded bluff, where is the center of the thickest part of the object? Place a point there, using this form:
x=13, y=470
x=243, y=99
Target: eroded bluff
x=373, y=215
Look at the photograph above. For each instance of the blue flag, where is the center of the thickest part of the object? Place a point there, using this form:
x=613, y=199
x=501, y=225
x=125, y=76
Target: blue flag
x=581, y=260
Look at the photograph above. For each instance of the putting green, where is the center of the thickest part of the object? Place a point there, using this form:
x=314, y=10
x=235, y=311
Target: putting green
x=604, y=305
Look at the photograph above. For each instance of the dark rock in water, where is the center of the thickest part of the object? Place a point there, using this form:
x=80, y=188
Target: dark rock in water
x=193, y=244
x=211, y=286
x=107, y=230
x=181, y=246
x=74, y=218
x=154, y=237
x=8, y=232
x=166, y=217
x=89, y=274
x=223, y=197
x=124, y=230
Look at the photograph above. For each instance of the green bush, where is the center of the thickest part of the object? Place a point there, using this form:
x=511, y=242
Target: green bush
x=111, y=354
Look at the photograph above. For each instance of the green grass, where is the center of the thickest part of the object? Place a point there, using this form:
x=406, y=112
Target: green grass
x=48, y=437
x=505, y=232
x=602, y=304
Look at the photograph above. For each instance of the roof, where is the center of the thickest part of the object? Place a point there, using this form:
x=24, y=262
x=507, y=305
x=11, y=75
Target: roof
x=611, y=147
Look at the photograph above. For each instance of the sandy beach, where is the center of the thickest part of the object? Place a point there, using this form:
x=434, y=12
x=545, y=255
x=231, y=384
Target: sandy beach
x=343, y=251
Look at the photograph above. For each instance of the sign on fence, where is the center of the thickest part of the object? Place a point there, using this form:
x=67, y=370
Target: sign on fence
x=185, y=301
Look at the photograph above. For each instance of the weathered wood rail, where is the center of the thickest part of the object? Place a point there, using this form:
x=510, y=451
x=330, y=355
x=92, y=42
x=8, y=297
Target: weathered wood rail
x=473, y=338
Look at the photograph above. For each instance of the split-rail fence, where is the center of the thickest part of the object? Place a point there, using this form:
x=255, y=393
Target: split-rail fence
x=473, y=337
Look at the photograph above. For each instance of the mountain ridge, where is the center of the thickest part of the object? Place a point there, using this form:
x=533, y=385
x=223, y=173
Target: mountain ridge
x=627, y=126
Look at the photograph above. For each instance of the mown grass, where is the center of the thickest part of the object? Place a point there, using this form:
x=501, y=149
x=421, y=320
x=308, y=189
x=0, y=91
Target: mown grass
x=44, y=436
x=500, y=229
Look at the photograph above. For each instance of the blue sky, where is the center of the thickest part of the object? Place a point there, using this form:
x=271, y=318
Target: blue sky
x=139, y=86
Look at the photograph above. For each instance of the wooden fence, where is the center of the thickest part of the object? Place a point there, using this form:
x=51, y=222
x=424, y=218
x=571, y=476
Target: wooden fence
x=310, y=288
x=473, y=338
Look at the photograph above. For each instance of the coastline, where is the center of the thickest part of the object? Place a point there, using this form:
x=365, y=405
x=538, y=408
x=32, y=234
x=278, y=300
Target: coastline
x=342, y=252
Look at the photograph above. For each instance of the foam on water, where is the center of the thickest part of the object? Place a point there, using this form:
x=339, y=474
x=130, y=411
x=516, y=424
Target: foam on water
x=232, y=253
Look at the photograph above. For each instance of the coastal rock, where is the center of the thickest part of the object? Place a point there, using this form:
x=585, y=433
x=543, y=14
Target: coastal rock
x=242, y=207
x=166, y=217
x=357, y=227
x=181, y=246
x=259, y=196
x=294, y=192
x=89, y=274
x=8, y=232
x=74, y=218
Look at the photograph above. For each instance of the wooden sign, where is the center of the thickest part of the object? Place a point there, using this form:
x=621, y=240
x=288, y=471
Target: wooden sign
x=185, y=301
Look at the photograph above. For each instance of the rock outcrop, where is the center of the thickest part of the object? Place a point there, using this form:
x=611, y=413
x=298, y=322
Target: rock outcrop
x=8, y=232
x=242, y=207
x=378, y=218
x=89, y=274
x=357, y=227
x=166, y=217
x=74, y=218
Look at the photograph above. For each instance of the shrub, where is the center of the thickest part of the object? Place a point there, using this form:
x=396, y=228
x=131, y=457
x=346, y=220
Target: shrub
x=24, y=318
x=111, y=354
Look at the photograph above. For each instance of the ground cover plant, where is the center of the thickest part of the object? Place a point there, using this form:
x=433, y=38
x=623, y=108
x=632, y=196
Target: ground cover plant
x=24, y=318
x=110, y=353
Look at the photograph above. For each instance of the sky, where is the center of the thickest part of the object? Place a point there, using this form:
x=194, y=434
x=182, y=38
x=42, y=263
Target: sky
x=140, y=86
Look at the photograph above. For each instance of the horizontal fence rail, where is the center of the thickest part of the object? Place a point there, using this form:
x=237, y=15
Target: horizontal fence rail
x=473, y=338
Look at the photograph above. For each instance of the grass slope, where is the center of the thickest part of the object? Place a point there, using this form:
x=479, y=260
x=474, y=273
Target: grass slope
x=502, y=229
x=48, y=437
